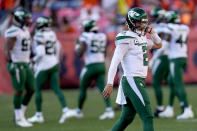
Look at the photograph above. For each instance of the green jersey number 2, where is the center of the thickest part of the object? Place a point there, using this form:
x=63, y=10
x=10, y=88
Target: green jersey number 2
x=50, y=47
x=145, y=55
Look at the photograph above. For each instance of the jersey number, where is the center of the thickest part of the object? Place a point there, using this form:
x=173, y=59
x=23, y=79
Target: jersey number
x=145, y=55
x=50, y=48
x=181, y=41
x=97, y=46
x=25, y=44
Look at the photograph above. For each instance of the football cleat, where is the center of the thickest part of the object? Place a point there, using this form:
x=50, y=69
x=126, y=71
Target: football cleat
x=65, y=115
x=77, y=113
x=187, y=114
x=107, y=115
x=167, y=113
x=36, y=119
x=156, y=113
x=22, y=123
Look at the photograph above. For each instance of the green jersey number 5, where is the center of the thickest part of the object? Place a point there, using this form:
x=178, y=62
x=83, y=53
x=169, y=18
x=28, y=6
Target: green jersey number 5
x=97, y=46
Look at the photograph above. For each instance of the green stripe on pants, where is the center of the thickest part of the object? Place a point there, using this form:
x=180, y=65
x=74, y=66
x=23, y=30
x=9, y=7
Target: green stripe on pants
x=137, y=102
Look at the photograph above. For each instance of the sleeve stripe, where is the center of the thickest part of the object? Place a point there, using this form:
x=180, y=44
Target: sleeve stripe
x=123, y=37
x=11, y=31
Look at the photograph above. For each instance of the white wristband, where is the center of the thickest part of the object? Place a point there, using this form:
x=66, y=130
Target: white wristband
x=155, y=38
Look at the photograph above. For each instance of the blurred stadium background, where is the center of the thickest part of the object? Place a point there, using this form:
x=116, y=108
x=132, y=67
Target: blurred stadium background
x=67, y=17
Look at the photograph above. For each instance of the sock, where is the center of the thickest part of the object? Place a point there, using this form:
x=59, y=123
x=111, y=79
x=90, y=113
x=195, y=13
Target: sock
x=79, y=110
x=65, y=109
x=17, y=114
x=38, y=113
x=160, y=108
x=108, y=109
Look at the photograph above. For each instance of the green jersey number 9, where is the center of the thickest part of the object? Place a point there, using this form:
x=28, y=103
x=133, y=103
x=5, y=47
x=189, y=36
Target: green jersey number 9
x=25, y=44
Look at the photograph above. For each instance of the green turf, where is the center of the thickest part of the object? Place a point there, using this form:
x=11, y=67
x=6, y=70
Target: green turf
x=94, y=106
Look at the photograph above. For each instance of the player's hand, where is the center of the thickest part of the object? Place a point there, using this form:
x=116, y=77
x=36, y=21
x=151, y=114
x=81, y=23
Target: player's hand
x=107, y=91
x=150, y=30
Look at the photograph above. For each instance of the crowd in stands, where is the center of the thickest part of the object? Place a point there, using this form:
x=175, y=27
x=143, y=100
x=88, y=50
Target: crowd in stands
x=68, y=15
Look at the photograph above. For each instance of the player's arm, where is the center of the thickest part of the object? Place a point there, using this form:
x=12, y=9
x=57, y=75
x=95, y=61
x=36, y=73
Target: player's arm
x=40, y=51
x=10, y=42
x=80, y=48
x=120, y=51
x=155, y=38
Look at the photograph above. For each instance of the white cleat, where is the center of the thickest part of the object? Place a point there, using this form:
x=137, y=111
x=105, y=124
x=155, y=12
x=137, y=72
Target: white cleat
x=107, y=115
x=23, y=123
x=36, y=119
x=65, y=115
x=77, y=113
x=187, y=114
x=167, y=113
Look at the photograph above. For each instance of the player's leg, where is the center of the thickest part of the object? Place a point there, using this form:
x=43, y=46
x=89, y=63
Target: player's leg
x=169, y=112
x=177, y=75
x=159, y=71
x=18, y=82
x=127, y=116
x=30, y=88
x=40, y=80
x=100, y=83
x=134, y=89
x=55, y=85
x=86, y=78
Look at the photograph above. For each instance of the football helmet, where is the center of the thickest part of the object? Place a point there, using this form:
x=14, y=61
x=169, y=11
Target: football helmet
x=22, y=17
x=157, y=15
x=43, y=22
x=172, y=17
x=137, y=21
x=89, y=26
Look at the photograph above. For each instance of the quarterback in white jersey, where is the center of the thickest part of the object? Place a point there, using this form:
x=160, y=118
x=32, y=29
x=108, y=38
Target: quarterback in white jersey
x=92, y=44
x=178, y=60
x=46, y=67
x=131, y=50
x=17, y=52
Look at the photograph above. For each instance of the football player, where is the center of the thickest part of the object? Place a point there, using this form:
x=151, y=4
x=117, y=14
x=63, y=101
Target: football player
x=178, y=60
x=46, y=67
x=159, y=62
x=92, y=45
x=17, y=52
x=131, y=51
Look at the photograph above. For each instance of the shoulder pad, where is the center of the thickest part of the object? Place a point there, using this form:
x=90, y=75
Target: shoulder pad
x=11, y=32
x=124, y=37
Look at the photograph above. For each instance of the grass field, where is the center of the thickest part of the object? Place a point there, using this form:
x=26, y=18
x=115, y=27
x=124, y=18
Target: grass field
x=94, y=106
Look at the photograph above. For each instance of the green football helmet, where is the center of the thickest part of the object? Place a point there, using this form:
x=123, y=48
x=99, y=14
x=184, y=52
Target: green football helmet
x=43, y=22
x=157, y=15
x=135, y=18
x=22, y=17
x=89, y=26
x=172, y=17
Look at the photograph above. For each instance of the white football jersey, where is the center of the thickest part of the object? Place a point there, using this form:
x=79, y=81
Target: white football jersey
x=162, y=28
x=178, y=44
x=21, y=49
x=135, y=62
x=96, y=44
x=50, y=58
